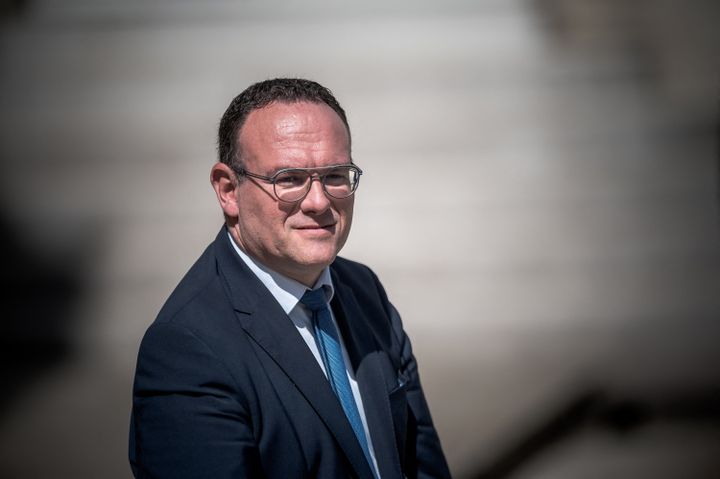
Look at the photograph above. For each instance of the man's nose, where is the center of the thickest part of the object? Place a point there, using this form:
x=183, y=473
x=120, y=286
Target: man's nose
x=316, y=200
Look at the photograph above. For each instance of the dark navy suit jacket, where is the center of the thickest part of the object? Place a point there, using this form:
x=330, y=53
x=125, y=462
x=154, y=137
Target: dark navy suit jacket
x=225, y=386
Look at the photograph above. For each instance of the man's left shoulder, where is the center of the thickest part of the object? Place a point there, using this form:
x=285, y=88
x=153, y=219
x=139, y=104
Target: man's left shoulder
x=344, y=265
x=359, y=278
x=354, y=273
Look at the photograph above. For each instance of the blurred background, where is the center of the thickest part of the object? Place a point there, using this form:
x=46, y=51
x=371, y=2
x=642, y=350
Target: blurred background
x=540, y=199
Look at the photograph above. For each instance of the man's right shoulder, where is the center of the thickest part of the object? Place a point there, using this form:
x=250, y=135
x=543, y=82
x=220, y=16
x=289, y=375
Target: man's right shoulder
x=199, y=315
x=197, y=294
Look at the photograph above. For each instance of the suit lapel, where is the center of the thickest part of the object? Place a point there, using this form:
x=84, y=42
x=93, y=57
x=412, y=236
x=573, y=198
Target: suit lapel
x=265, y=321
x=367, y=361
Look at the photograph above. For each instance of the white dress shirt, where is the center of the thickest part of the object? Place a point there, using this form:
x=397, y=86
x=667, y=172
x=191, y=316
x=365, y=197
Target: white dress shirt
x=288, y=293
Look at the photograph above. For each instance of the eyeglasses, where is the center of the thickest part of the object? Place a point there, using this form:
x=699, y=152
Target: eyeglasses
x=293, y=184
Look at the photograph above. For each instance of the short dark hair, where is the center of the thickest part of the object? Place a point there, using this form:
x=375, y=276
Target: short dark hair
x=261, y=94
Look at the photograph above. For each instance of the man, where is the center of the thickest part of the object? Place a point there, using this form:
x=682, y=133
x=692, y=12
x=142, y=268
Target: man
x=273, y=358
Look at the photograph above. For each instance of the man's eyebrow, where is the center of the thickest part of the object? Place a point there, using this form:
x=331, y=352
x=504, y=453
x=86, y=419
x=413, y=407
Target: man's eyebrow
x=304, y=168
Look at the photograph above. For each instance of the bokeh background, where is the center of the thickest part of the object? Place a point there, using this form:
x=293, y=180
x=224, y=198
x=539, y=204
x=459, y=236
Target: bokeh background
x=540, y=199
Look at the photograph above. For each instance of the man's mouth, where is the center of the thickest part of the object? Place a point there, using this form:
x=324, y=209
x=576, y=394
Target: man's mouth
x=315, y=227
x=310, y=228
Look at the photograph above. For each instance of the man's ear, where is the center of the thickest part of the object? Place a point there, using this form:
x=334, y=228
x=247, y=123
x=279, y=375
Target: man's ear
x=224, y=183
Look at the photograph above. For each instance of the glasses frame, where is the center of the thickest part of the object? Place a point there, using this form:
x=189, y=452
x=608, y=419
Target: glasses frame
x=320, y=177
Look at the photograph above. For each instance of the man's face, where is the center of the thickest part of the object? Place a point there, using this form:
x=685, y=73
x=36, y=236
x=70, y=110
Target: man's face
x=296, y=239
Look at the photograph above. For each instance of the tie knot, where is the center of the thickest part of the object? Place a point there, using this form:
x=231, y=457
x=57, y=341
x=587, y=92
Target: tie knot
x=314, y=299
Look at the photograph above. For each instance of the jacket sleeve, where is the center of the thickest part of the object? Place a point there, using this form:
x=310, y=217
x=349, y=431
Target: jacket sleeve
x=424, y=458
x=188, y=420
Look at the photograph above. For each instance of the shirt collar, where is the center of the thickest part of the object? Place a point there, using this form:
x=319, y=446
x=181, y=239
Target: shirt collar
x=286, y=291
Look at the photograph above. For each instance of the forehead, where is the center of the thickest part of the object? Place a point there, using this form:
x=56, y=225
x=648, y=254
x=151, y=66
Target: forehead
x=299, y=124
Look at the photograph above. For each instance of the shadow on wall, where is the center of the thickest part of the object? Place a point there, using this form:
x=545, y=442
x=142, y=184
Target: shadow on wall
x=9, y=8
x=599, y=410
x=717, y=151
x=38, y=296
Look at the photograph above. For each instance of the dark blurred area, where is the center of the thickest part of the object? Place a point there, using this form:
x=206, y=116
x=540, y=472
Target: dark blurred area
x=594, y=412
x=562, y=161
x=38, y=297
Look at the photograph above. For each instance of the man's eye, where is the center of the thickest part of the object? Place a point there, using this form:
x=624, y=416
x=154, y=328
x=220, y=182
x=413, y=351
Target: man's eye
x=290, y=180
x=336, y=179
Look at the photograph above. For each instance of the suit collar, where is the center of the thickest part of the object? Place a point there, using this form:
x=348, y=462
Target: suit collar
x=263, y=319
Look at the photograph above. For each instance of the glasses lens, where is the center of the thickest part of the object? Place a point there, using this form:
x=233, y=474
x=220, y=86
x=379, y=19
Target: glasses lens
x=338, y=182
x=291, y=185
x=341, y=181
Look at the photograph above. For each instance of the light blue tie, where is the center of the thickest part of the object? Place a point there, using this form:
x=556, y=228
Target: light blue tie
x=331, y=353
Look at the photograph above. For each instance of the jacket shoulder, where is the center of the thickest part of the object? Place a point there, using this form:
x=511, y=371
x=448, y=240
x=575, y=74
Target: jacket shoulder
x=352, y=271
x=363, y=282
x=201, y=279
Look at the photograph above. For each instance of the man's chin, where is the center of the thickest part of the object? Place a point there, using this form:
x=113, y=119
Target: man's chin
x=317, y=261
x=314, y=257
x=314, y=253
x=309, y=234
x=307, y=268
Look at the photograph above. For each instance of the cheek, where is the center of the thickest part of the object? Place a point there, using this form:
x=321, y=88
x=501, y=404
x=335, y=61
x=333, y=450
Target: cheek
x=346, y=211
x=258, y=220
x=273, y=225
